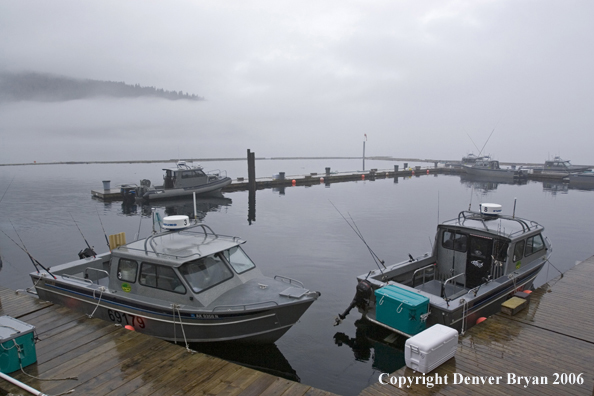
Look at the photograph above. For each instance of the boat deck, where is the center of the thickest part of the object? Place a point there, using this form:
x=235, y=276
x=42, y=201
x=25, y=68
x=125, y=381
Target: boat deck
x=555, y=334
x=109, y=360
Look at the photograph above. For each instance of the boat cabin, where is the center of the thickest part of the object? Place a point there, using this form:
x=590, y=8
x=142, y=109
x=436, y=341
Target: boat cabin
x=184, y=176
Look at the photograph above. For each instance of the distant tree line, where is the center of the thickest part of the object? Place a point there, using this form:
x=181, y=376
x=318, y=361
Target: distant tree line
x=51, y=88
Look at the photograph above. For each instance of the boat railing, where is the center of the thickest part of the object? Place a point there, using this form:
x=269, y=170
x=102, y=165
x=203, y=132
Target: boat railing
x=243, y=307
x=443, y=286
x=101, y=271
x=469, y=215
x=77, y=278
x=423, y=270
x=288, y=280
x=217, y=172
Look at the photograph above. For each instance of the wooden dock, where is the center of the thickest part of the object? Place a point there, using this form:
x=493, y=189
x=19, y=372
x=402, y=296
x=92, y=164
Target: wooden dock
x=110, y=360
x=553, y=338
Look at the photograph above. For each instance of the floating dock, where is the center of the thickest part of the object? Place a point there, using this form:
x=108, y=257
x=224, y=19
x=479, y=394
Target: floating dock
x=552, y=340
x=110, y=360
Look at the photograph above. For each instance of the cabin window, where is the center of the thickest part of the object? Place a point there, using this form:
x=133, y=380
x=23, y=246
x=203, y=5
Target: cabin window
x=518, y=251
x=533, y=245
x=161, y=277
x=455, y=240
x=205, y=272
x=500, y=250
x=127, y=270
x=238, y=259
x=192, y=174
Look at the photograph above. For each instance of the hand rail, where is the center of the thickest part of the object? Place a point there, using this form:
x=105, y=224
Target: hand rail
x=243, y=306
x=95, y=269
x=422, y=269
x=284, y=279
x=443, y=287
x=77, y=278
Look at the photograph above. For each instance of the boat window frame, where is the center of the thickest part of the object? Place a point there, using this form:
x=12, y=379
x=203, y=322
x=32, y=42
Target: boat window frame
x=519, y=253
x=532, y=251
x=220, y=258
x=119, y=272
x=157, y=275
x=463, y=248
x=228, y=260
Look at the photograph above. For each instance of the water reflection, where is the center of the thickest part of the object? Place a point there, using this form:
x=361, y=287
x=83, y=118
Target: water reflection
x=372, y=342
x=486, y=184
x=267, y=358
x=181, y=206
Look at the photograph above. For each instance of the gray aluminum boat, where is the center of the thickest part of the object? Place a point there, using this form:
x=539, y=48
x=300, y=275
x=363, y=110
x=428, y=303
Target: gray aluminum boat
x=183, y=180
x=490, y=169
x=479, y=259
x=181, y=284
x=556, y=168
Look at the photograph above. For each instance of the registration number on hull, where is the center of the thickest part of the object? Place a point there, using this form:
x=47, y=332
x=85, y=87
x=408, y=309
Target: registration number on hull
x=126, y=319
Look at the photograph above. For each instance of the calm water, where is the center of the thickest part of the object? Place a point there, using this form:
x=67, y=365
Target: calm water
x=296, y=233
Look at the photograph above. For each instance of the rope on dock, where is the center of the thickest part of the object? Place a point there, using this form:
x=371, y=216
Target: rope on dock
x=102, y=289
x=175, y=307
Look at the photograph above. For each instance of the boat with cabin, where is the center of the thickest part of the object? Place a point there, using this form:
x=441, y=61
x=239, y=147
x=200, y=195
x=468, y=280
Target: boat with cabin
x=478, y=260
x=183, y=283
x=180, y=181
x=556, y=168
x=490, y=169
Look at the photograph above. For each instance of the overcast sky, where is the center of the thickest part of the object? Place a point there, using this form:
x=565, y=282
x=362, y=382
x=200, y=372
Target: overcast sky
x=306, y=78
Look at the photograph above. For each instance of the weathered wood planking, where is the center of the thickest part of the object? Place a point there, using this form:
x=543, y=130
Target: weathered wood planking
x=554, y=335
x=109, y=360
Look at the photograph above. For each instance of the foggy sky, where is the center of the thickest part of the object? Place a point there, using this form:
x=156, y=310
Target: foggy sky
x=305, y=78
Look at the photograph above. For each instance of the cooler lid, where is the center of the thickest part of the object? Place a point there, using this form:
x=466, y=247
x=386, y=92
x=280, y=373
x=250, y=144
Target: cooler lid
x=11, y=328
x=408, y=297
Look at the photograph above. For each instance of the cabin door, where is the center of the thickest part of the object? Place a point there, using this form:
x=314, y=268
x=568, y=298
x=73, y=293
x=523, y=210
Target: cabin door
x=478, y=260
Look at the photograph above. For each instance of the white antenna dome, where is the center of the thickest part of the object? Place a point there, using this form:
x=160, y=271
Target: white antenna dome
x=490, y=209
x=176, y=222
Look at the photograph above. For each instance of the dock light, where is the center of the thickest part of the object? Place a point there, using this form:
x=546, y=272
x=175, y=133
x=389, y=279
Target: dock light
x=128, y=327
x=481, y=319
x=293, y=182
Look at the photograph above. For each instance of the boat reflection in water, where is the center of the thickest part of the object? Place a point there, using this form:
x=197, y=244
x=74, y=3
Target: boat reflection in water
x=266, y=358
x=180, y=206
x=384, y=348
x=487, y=184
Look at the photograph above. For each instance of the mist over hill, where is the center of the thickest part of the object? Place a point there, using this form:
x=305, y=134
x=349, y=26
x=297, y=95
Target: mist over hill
x=30, y=86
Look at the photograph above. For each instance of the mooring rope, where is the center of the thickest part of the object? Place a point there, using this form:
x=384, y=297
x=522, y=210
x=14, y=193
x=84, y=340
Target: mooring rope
x=102, y=289
x=176, y=308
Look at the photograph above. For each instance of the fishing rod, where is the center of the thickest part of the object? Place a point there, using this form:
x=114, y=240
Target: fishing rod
x=5, y=191
x=86, y=252
x=36, y=263
x=104, y=233
x=486, y=142
x=358, y=233
x=475, y=146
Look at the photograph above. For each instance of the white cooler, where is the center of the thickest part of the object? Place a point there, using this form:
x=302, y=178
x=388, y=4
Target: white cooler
x=430, y=348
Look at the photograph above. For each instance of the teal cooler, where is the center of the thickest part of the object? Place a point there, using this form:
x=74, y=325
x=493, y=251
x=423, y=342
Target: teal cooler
x=401, y=309
x=17, y=344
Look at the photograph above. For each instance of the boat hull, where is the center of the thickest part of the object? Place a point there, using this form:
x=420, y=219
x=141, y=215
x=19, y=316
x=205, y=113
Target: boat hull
x=166, y=193
x=265, y=325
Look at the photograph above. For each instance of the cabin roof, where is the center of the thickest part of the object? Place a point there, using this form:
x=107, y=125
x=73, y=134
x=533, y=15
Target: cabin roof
x=501, y=225
x=178, y=247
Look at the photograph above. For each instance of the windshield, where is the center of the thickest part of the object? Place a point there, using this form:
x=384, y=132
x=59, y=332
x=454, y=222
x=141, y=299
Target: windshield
x=238, y=259
x=206, y=272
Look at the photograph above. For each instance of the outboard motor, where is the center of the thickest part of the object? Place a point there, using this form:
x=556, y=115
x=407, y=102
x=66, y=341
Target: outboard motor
x=361, y=300
x=86, y=253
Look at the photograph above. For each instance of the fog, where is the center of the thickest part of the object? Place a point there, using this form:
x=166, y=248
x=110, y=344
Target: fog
x=305, y=78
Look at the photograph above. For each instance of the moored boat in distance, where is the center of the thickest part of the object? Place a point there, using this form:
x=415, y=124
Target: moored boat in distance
x=180, y=181
x=478, y=260
x=185, y=283
x=488, y=168
x=556, y=168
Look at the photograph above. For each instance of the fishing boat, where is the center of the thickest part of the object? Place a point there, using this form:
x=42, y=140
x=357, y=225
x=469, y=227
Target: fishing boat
x=478, y=260
x=180, y=181
x=556, y=168
x=182, y=283
x=490, y=169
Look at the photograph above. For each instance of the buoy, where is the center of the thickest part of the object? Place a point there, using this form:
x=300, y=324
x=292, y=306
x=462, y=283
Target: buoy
x=128, y=327
x=427, y=171
x=527, y=291
x=362, y=177
x=293, y=182
x=321, y=180
x=413, y=172
x=481, y=319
